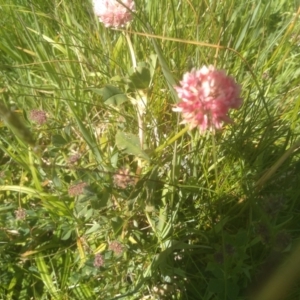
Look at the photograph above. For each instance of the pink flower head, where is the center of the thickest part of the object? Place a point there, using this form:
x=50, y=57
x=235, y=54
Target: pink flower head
x=207, y=95
x=114, y=13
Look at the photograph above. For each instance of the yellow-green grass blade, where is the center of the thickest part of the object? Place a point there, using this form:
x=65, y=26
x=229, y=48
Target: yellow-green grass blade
x=45, y=276
x=50, y=202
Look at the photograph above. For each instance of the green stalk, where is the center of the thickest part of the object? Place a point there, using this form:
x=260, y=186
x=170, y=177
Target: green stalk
x=171, y=140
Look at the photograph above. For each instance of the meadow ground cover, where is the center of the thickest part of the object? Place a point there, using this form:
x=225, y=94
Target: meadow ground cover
x=132, y=167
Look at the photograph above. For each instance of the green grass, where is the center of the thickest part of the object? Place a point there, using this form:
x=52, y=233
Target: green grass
x=203, y=216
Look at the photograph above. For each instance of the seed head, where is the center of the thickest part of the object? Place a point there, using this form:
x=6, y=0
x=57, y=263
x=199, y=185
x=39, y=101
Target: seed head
x=116, y=247
x=20, y=213
x=123, y=179
x=77, y=189
x=98, y=261
x=38, y=116
x=74, y=158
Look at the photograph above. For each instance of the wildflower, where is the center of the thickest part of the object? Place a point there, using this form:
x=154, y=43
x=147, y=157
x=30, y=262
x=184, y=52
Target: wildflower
x=74, y=158
x=77, y=189
x=122, y=179
x=20, y=214
x=207, y=95
x=114, y=13
x=38, y=116
x=116, y=247
x=98, y=261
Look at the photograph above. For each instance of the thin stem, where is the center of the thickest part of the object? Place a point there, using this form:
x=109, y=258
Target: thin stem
x=129, y=43
x=172, y=140
x=215, y=160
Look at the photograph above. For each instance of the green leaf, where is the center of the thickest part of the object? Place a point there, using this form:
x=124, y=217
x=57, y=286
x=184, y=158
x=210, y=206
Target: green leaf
x=216, y=286
x=130, y=144
x=101, y=200
x=241, y=238
x=219, y=287
x=232, y=290
x=58, y=140
x=67, y=235
x=111, y=95
x=216, y=270
x=141, y=77
x=94, y=228
x=117, y=224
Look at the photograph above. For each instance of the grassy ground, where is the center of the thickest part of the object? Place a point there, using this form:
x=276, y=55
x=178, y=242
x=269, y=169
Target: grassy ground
x=88, y=213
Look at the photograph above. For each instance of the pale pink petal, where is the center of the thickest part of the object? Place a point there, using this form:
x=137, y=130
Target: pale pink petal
x=112, y=13
x=206, y=96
